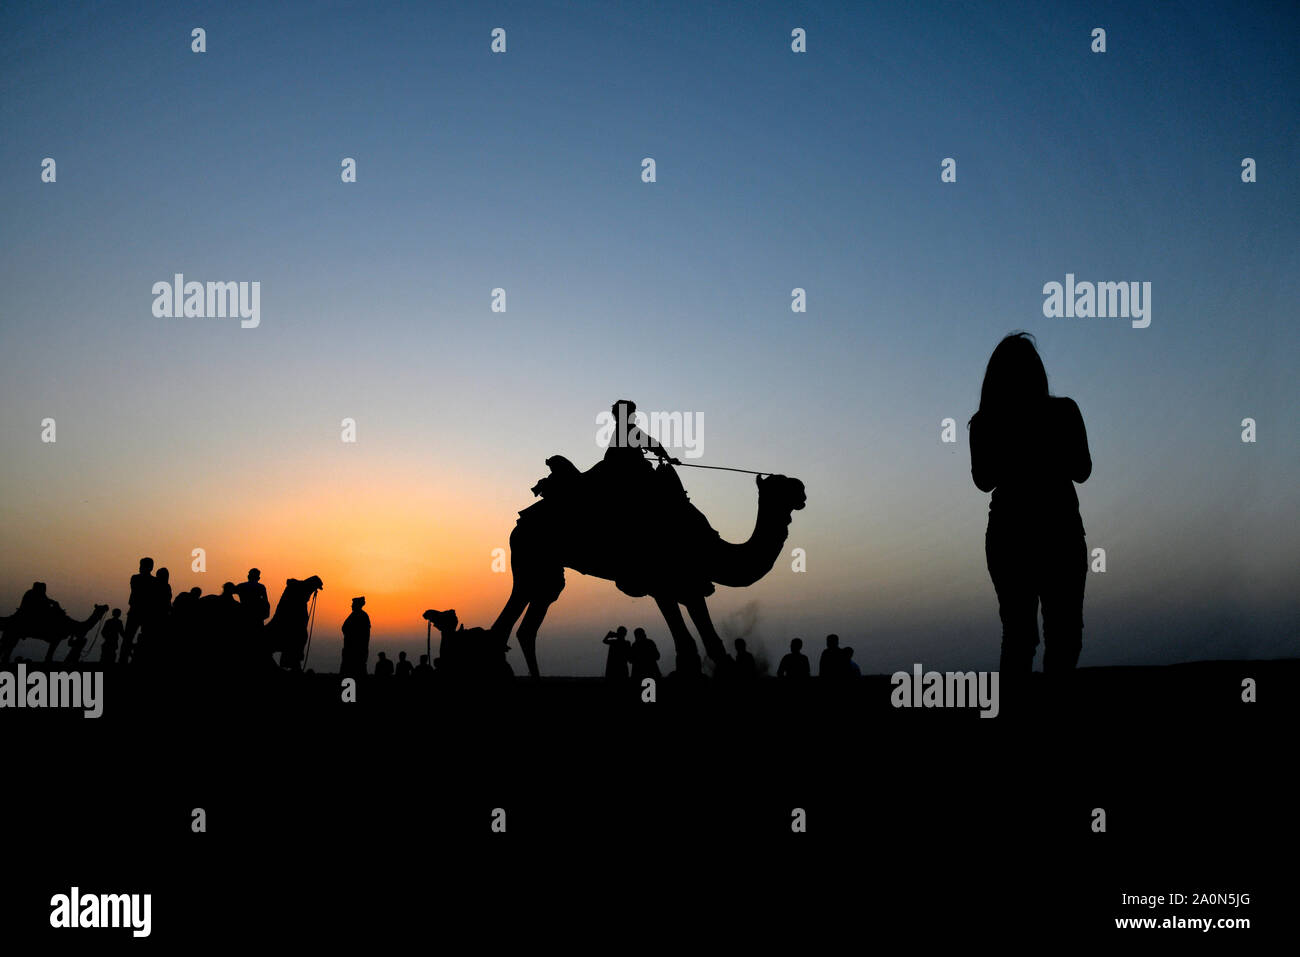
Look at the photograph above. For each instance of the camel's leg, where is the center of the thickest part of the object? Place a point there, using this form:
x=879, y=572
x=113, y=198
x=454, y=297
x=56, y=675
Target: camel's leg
x=552, y=583
x=699, y=612
x=524, y=575
x=527, y=633
x=515, y=606
x=688, y=656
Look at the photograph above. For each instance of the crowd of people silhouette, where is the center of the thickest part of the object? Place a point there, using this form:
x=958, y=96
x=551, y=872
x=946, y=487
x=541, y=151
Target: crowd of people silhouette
x=639, y=659
x=162, y=632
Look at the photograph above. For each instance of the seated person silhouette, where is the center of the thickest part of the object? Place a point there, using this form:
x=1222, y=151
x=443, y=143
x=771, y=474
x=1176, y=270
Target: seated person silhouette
x=76, y=644
x=629, y=444
x=745, y=666
x=795, y=664
x=34, y=614
x=831, y=663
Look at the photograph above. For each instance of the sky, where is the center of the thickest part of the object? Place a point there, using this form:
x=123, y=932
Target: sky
x=775, y=170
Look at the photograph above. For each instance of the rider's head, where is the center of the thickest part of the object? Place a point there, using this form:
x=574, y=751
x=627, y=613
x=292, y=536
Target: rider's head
x=624, y=414
x=796, y=644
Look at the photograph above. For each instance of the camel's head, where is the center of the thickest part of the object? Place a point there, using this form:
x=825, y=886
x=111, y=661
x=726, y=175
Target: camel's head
x=314, y=583
x=781, y=491
x=442, y=620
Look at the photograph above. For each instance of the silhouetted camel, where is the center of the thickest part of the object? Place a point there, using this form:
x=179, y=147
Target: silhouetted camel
x=53, y=628
x=668, y=551
x=467, y=651
x=288, y=627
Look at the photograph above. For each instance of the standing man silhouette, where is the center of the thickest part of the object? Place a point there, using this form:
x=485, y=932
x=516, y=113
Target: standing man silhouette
x=138, y=606
x=1029, y=448
x=112, y=637
x=356, y=641
x=645, y=657
x=620, y=654
x=254, y=607
x=253, y=600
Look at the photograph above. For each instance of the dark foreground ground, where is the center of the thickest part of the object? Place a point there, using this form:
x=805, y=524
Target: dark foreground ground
x=630, y=823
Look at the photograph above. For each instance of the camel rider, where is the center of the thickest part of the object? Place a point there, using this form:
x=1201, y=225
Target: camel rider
x=34, y=611
x=36, y=606
x=628, y=442
x=632, y=479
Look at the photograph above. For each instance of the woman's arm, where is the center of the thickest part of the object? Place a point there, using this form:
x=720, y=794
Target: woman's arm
x=982, y=467
x=1079, y=458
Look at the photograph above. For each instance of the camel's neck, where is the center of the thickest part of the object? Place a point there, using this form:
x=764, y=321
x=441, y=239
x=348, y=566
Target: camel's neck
x=738, y=565
x=89, y=623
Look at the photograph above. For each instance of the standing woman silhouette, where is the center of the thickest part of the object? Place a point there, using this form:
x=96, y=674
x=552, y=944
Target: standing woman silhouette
x=1028, y=448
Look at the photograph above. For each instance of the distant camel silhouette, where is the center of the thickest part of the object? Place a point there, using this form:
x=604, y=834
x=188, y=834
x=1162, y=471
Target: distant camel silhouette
x=53, y=628
x=668, y=551
x=467, y=651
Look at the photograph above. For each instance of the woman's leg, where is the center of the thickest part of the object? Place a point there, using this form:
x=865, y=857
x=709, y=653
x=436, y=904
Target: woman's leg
x=1011, y=568
x=1064, y=574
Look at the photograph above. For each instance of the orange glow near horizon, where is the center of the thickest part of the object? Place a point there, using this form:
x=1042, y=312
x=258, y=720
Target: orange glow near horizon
x=405, y=545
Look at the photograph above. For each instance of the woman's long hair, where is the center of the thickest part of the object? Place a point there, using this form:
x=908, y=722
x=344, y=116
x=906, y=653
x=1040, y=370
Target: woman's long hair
x=1014, y=378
